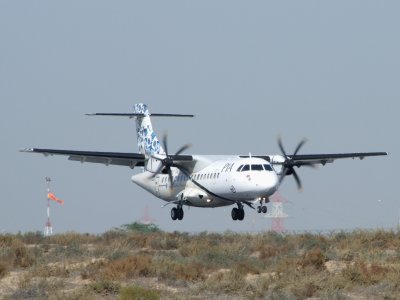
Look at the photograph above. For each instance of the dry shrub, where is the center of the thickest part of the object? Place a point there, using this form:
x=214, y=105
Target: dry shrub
x=309, y=241
x=126, y=268
x=165, y=242
x=361, y=273
x=139, y=240
x=304, y=291
x=21, y=257
x=33, y=238
x=92, y=270
x=195, y=247
x=112, y=235
x=188, y=272
x=116, y=249
x=104, y=287
x=137, y=292
x=246, y=268
x=258, y=287
x=286, y=265
x=225, y=282
x=268, y=251
x=51, y=271
x=64, y=239
x=170, y=269
x=313, y=258
x=6, y=240
x=3, y=269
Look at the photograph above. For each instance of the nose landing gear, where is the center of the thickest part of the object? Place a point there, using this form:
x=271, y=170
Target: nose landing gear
x=262, y=208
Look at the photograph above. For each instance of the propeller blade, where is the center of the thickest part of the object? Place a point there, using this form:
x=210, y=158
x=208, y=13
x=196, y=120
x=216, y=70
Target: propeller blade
x=157, y=172
x=170, y=178
x=290, y=163
x=302, y=142
x=298, y=181
x=183, y=148
x=281, y=146
x=283, y=174
x=165, y=144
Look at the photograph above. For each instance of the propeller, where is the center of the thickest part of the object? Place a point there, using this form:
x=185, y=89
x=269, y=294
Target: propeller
x=290, y=163
x=167, y=161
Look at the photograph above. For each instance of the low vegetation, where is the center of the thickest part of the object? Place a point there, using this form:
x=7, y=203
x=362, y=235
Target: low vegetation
x=138, y=261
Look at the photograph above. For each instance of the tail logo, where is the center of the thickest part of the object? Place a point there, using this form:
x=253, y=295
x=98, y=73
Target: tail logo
x=147, y=140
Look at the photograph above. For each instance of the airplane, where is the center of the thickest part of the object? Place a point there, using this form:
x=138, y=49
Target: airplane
x=202, y=180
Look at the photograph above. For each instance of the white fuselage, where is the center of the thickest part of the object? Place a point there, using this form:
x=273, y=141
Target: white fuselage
x=214, y=181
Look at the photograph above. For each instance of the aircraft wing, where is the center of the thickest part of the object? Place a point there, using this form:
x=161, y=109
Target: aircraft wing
x=314, y=159
x=107, y=158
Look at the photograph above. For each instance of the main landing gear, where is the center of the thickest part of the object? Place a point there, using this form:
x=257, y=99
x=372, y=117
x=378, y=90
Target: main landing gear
x=238, y=213
x=177, y=213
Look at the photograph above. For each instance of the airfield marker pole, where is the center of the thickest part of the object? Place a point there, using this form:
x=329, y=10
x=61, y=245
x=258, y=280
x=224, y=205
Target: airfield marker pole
x=48, y=230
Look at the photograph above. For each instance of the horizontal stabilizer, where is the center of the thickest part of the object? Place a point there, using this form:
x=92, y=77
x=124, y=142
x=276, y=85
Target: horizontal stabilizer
x=132, y=115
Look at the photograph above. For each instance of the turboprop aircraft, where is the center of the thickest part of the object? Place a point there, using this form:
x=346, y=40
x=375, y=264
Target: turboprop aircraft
x=202, y=180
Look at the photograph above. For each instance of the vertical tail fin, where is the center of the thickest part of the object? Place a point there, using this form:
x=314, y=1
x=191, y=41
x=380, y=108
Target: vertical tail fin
x=147, y=140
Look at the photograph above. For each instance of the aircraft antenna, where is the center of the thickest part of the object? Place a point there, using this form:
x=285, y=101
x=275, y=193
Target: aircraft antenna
x=48, y=230
x=277, y=215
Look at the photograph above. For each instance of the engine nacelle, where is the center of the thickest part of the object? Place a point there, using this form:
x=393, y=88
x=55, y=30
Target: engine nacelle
x=277, y=162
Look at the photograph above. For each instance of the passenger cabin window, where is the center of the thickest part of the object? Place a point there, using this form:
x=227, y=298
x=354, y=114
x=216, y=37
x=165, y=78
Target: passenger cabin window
x=268, y=168
x=245, y=168
x=257, y=168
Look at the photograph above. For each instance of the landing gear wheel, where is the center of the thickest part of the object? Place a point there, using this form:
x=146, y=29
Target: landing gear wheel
x=241, y=214
x=174, y=213
x=264, y=209
x=180, y=213
x=235, y=213
x=259, y=209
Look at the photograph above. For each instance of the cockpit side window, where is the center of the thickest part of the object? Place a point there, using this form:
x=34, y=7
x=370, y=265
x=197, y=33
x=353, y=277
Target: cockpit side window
x=245, y=168
x=257, y=168
x=238, y=169
x=268, y=168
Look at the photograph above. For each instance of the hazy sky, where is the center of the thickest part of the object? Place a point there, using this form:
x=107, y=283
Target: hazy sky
x=248, y=70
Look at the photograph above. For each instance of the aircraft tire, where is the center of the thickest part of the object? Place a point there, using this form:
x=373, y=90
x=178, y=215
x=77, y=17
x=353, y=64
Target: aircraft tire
x=180, y=213
x=264, y=209
x=241, y=214
x=174, y=213
x=234, y=214
x=259, y=209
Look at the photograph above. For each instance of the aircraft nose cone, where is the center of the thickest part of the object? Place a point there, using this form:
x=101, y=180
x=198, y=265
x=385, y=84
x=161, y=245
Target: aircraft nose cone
x=269, y=183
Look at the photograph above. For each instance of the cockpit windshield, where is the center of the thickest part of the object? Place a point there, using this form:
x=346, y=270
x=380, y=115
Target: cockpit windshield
x=268, y=167
x=244, y=168
x=257, y=168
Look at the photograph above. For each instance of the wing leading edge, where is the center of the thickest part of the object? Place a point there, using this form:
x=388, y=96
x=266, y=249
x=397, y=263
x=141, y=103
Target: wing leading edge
x=314, y=159
x=107, y=158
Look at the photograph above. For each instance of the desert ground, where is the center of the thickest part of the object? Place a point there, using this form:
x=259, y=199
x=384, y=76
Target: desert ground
x=139, y=261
